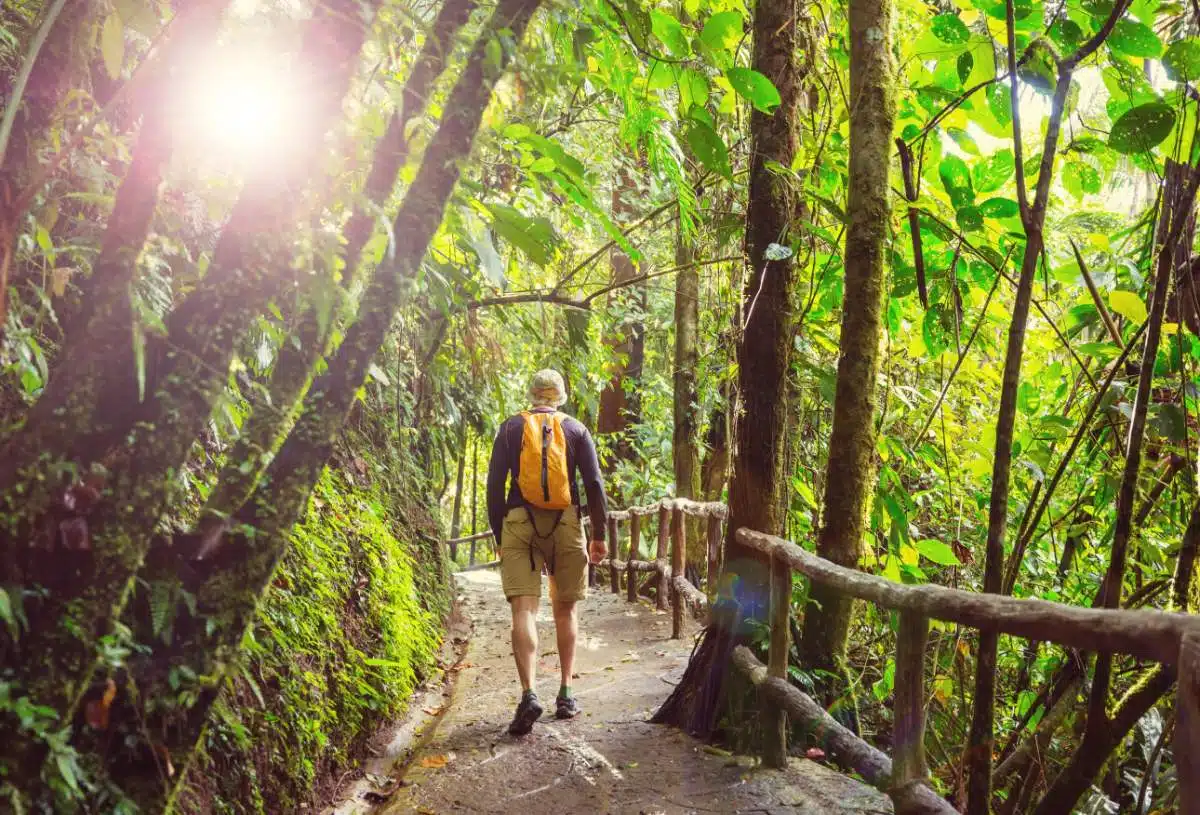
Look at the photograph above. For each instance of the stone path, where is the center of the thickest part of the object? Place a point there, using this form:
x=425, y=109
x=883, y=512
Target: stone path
x=609, y=759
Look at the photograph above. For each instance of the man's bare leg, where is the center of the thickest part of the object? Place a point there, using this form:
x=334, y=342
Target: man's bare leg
x=566, y=629
x=525, y=639
x=524, y=645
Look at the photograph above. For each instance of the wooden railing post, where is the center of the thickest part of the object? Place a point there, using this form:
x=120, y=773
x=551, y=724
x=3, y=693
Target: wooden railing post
x=908, y=739
x=472, y=561
x=664, y=531
x=678, y=552
x=775, y=748
x=1187, y=724
x=614, y=577
x=714, y=553
x=635, y=523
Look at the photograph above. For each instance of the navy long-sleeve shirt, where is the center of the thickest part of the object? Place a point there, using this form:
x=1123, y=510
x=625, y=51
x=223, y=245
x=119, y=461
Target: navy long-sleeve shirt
x=581, y=458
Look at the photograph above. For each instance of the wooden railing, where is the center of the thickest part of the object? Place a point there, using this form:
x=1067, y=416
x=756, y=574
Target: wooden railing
x=667, y=567
x=1171, y=639
x=474, y=540
x=670, y=576
x=1163, y=637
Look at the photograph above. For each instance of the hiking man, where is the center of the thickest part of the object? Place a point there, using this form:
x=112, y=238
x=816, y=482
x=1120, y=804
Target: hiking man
x=538, y=521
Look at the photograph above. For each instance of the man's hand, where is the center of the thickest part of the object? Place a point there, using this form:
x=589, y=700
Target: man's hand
x=596, y=551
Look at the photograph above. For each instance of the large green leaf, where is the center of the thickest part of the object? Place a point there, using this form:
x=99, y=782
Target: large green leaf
x=999, y=208
x=1142, y=128
x=957, y=180
x=708, y=148
x=1081, y=178
x=993, y=172
x=999, y=99
x=754, y=88
x=533, y=236
x=1182, y=60
x=1128, y=305
x=1134, y=39
x=950, y=29
x=670, y=33
x=722, y=31
x=938, y=552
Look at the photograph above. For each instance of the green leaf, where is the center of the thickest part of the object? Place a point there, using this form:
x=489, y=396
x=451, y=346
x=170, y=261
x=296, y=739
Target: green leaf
x=999, y=208
x=533, y=236
x=993, y=172
x=754, y=88
x=542, y=165
x=970, y=219
x=1081, y=178
x=1182, y=60
x=693, y=88
x=964, y=65
x=112, y=45
x=1128, y=305
x=7, y=615
x=708, y=148
x=722, y=31
x=1141, y=129
x=938, y=552
x=670, y=33
x=999, y=99
x=1134, y=39
x=950, y=29
x=957, y=180
x=1066, y=34
x=1097, y=8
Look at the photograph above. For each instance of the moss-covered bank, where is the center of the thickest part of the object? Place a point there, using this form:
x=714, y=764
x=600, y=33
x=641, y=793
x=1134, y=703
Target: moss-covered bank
x=352, y=622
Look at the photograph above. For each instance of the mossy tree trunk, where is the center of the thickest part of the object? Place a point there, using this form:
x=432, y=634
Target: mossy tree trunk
x=763, y=358
x=850, y=470
x=230, y=580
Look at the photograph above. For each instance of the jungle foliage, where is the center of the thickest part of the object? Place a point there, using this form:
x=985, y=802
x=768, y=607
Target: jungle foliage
x=467, y=191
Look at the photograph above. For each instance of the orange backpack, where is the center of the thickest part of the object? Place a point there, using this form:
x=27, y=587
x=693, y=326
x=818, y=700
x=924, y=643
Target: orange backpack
x=543, y=465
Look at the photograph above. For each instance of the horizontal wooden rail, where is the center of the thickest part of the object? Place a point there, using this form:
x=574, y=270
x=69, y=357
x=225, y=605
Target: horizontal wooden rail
x=1153, y=635
x=478, y=536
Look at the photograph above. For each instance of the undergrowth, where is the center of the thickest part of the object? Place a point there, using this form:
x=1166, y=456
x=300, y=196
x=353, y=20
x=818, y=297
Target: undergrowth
x=349, y=627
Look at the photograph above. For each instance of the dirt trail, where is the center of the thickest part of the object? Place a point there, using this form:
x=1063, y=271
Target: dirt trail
x=609, y=759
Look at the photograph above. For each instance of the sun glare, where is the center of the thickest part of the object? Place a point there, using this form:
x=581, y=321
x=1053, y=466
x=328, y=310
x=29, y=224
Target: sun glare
x=240, y=106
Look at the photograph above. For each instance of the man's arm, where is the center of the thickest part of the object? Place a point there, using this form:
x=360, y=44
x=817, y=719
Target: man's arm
x=589, y=472
x=497, y=481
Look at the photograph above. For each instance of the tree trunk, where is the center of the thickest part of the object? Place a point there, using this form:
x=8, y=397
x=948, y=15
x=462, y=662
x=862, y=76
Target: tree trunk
x=685, y=441
x=619, y=405
x=849, y=476
x=715, y=469
x=763, y=358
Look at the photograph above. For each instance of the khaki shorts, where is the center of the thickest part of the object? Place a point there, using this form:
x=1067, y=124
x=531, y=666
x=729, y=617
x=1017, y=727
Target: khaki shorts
x=524, y=550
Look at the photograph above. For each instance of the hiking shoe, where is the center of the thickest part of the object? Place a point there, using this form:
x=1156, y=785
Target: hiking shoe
x=528, y=712
x=565, y=707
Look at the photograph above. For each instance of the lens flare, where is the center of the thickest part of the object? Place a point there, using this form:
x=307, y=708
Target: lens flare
x=240, y=105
